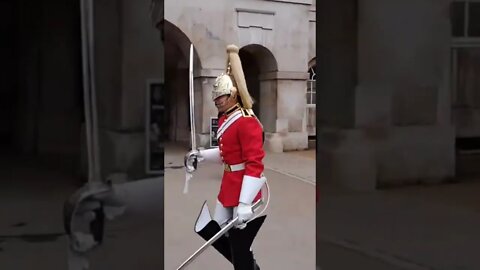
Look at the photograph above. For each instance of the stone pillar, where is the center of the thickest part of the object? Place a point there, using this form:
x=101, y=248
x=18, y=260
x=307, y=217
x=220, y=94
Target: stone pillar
x=268, y=98
x=342, y=157
x=122, y=70
x=178, y=103
x=336, y=63
x=384, y=119
x=402, y=98
x=285, y=125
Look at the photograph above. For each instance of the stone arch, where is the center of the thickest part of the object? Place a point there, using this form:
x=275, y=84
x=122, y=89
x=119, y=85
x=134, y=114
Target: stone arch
x=260, y=67
x=177, y=50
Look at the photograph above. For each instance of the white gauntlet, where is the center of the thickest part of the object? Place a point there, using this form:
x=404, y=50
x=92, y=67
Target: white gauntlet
x=194, y=156
x=211, y=155
x=250, y=188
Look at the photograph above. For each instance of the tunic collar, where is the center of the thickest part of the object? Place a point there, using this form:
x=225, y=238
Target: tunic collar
x=228, y=112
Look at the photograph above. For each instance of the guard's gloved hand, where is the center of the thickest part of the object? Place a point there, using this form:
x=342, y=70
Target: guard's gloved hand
x=191, y=160
x=244, y=214
x=251, y=187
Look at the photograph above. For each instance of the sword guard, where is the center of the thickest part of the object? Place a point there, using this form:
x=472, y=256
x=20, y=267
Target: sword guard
x=191, y=160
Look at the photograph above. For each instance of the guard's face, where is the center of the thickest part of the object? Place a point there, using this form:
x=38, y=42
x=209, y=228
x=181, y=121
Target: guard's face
x=222, y=103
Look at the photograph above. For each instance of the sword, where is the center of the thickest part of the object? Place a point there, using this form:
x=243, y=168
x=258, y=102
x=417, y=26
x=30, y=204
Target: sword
x=215, y=237
x=77, y=260
x=192, y=101
x=188, y=175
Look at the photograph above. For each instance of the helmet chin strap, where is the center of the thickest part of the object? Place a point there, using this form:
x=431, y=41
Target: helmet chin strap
x=231, y=97
x=225, y=103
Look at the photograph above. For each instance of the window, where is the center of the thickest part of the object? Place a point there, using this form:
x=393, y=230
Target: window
x=311, y=102
x=474, y=19
x=457, y=11
x=465, y=18
x=466, y=79
x=465, y=82
x=311, y=92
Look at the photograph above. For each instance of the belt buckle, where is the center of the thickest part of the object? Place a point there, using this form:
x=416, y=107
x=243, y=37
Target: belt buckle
x=227, y=167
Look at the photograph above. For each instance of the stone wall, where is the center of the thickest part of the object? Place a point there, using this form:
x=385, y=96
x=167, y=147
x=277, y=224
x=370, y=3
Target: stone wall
x=281, y=30
x=395, y=126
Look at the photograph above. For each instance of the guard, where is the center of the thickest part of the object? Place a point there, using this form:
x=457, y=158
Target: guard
x=240, y=153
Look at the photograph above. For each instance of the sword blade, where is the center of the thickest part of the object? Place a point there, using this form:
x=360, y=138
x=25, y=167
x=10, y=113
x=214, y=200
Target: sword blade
x=192, y=100
x=215, y=237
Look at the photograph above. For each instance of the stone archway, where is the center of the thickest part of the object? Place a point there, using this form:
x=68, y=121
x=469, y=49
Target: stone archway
x=177, y=46
x=259, y=65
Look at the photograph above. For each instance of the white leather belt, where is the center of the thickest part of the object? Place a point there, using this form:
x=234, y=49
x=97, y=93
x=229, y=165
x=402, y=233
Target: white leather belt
x=234, y=167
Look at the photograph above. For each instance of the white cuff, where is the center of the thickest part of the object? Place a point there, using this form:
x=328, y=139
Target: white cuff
x=250, y=188
x=212, y=155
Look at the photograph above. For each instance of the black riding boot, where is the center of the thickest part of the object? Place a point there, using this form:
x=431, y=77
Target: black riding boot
x=237, y=242
x=240, y=242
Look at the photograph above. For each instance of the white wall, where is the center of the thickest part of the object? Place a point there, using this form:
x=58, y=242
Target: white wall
x=283, y=28
x=312, y=48
x=213, y=25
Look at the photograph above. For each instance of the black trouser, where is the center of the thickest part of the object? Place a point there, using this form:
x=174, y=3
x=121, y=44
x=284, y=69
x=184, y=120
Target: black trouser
x=235, y=245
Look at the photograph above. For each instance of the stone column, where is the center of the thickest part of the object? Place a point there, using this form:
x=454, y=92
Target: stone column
x=384, y=93
x=122, y=72
x=402, y=97
x=282, y=112
x=341, y=158
x=268, y=105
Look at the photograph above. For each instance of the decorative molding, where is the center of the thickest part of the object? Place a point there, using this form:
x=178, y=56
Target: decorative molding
x=312, y=15
x=247, y=18
x=249, y=10
x=284, y=75
x=273, y=75
x=209, y=73
x=298, y=2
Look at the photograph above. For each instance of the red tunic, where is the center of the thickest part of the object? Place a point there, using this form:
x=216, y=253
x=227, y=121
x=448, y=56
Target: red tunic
x=241, y=142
